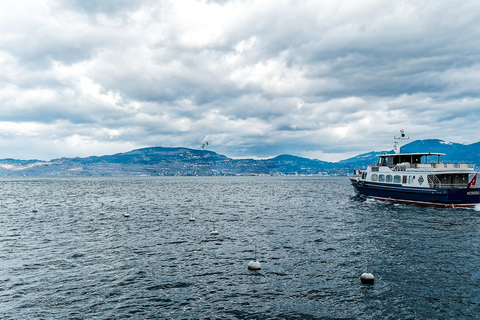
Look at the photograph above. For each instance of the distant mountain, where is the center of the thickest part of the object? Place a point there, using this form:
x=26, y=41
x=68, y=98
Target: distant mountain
x=159, y=161
x=288, y=164
x=364, y=159
x=454, y=152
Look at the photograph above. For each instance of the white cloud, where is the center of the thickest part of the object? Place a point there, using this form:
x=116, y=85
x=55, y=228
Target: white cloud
x=256, y=78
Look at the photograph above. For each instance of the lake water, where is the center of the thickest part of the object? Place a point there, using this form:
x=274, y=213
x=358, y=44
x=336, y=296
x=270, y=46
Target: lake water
x=67, y=261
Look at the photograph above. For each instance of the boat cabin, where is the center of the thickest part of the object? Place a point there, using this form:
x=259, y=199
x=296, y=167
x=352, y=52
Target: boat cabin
x=391, y=160
x=414, y=168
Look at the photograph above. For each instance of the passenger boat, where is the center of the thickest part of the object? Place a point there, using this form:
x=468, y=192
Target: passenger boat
x=418, y=178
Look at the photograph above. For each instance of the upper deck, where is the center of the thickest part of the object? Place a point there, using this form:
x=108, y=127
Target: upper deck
x=423, y=161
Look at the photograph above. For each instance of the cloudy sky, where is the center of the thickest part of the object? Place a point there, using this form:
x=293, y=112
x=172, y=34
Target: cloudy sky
x=324, y=79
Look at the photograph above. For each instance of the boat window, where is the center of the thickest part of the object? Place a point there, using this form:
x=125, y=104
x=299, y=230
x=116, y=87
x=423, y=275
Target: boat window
x=404, y=179
x=405, y=158
x=460, y=180
x=364, y=175
x=397, y=179
x=445, y=180
x=374, y=177
x=388, y=178
x=389, y=161
x=410, y=179
x=381, y=178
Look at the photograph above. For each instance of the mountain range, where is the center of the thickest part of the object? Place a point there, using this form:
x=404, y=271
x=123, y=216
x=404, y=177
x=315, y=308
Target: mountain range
x=160, y=161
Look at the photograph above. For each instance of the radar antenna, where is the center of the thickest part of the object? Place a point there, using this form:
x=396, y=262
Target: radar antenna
x=398, y=144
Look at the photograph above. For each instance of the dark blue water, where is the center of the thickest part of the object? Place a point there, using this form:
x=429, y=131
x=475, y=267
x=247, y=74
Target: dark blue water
x=67, y=261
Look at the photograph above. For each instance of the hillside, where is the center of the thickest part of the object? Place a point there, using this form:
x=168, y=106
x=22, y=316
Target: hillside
x=160, y=161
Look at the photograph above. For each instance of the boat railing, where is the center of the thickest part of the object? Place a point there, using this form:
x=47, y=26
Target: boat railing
x=454, y=166
x=459, y=166
x=448, y=185
x=434, y=182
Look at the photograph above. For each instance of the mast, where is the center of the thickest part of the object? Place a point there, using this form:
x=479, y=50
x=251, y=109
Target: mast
x=398, y=144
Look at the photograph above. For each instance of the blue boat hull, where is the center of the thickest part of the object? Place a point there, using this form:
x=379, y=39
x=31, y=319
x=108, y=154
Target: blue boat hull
x=419, y=196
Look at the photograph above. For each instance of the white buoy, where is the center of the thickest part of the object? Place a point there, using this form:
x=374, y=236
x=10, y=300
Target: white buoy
x=34, y=209
x=126, y=214
x=214, y=232
x=191, y=218
x=367, y=277
x=254, y=265
x=101, y=210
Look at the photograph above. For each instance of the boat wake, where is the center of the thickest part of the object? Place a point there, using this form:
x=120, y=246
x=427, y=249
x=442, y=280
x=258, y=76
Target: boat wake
x=372, y=201
x=477, y=207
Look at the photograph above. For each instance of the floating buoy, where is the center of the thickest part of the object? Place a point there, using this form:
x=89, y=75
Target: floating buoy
x=367, y=277
x=254, y=265
x=191, y=218
x=126, y=214
x=214, y=232
x=101, y=210
x=34, y=209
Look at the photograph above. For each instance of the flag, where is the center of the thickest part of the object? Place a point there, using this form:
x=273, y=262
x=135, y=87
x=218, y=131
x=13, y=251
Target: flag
x=472, y=182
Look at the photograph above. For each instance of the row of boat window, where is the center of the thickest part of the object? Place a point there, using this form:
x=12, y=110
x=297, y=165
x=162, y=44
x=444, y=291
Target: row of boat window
x=394, y=179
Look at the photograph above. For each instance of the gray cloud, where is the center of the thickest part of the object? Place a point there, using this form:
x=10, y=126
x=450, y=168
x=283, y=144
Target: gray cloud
x=325, y=80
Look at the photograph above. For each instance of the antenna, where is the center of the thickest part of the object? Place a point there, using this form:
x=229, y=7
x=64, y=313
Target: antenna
x=398, y=144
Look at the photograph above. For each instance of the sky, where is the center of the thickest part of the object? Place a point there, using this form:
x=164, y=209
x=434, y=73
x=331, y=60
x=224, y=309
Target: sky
x=324, y=79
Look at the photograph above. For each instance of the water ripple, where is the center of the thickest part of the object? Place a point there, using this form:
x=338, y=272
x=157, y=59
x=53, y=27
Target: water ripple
x=313, y=237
